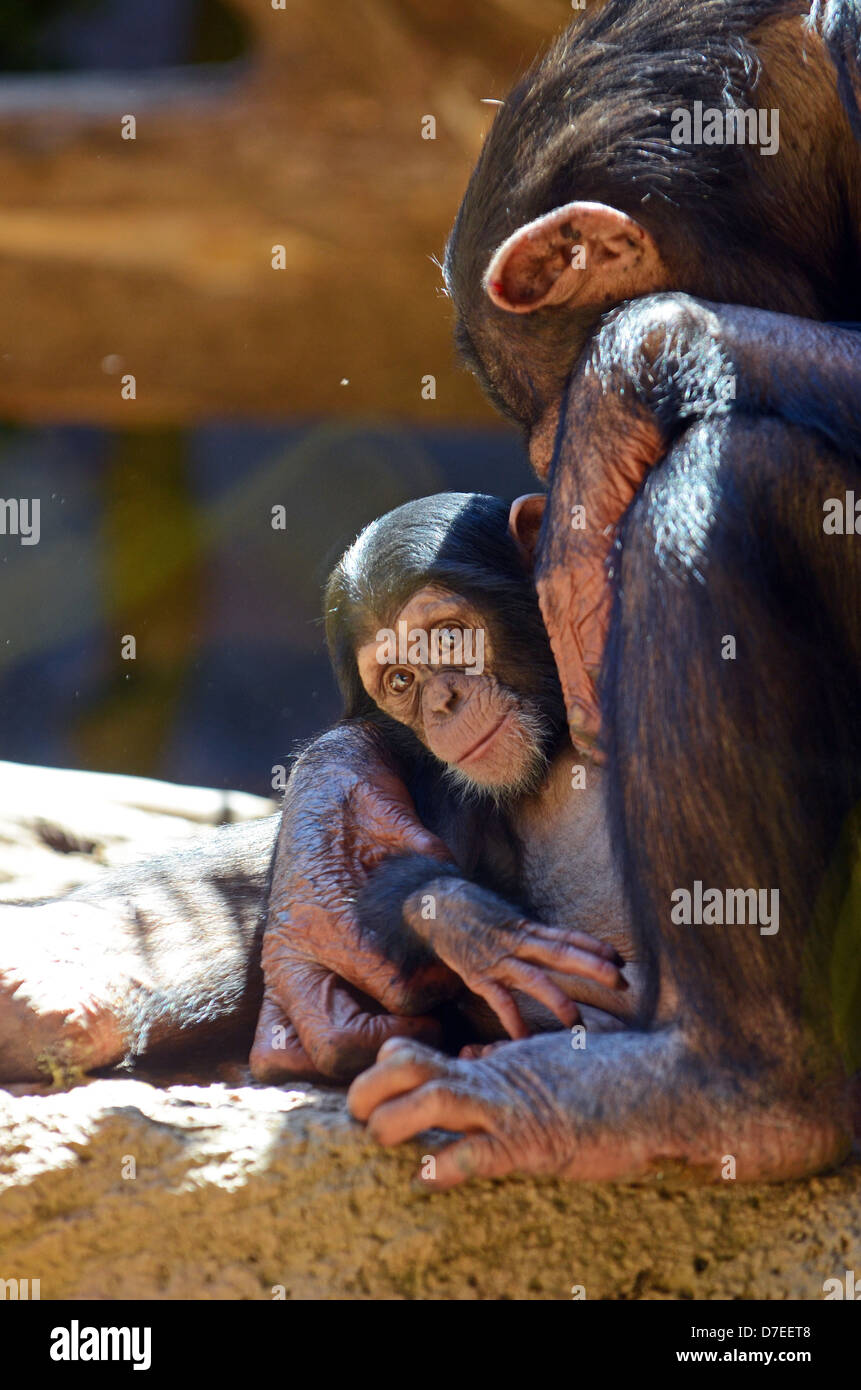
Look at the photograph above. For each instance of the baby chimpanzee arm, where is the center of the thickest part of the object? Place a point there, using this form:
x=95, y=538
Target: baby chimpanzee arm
x=418, y=910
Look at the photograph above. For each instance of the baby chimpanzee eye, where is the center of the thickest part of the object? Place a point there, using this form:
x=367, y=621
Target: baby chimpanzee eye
x=400, y=681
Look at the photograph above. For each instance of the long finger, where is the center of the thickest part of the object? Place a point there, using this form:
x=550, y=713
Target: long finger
x=436, y=1105
x=277, y=1054
x=534, y=982
x=417, y=840
x=401, y=1066
x=593, y=635
x=568, y=960
x=503, y=1005
x=339, y=1034
x=389, y=818
x=290, y=973
x=572, y=937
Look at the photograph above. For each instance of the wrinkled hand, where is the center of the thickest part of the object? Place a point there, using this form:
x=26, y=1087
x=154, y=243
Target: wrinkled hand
x=505, y=1105
x=495, y=950
x=327, y=989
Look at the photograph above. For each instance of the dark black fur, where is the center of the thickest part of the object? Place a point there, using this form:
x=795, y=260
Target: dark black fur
x=379, y=906
x=744, y=772
x=839, y=22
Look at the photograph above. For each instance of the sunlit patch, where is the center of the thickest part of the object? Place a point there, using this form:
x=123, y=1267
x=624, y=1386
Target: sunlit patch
x=685, y=504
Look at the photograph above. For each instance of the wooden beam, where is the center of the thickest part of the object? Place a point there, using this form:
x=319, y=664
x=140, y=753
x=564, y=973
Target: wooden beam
x=153, y=256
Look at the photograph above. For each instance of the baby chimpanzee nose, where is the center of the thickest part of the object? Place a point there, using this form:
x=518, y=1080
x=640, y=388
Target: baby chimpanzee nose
x=444, y=693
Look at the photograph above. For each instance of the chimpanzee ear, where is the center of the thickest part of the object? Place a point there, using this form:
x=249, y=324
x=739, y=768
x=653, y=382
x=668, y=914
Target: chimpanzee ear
x=524, y=523
x=579, y=254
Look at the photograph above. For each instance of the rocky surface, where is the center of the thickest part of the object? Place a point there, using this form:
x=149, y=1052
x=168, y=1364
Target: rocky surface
x=61, y=829
x=242, y=1191
x=190, y=1187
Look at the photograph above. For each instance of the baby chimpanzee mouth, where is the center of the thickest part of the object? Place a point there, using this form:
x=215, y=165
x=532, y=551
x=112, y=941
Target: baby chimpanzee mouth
x=484, y=742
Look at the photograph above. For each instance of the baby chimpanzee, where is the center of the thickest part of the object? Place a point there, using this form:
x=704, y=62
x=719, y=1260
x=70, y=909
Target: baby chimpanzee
x=435, y=634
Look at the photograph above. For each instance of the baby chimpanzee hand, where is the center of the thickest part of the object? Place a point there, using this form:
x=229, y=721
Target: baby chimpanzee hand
x=495, y=950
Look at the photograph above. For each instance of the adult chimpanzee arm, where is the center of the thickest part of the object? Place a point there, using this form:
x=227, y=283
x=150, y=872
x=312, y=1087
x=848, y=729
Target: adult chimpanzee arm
x=345, y=810
x=657, y=365
x=154, y=958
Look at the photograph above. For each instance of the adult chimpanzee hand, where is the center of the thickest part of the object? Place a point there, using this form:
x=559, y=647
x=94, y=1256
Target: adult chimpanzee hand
x=657, y=365
x=504, y=1106
x=326, y=987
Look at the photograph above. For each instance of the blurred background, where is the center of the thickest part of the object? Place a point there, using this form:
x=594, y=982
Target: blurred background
x=305, y=387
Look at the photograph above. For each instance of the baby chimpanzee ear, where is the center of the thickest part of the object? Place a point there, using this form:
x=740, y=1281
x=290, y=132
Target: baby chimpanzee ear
x=524, y=523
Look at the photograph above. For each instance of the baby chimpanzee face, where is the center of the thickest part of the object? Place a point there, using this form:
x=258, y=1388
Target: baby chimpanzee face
x=434, y=672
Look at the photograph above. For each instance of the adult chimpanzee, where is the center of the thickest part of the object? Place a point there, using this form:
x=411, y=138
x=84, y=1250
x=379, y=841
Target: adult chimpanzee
x=734, y=772
x=748, y=791
x=164, y=955
x=557, y=225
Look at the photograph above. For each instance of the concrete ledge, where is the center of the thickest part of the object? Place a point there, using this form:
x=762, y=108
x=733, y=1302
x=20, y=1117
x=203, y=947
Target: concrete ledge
x=241, y=1188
